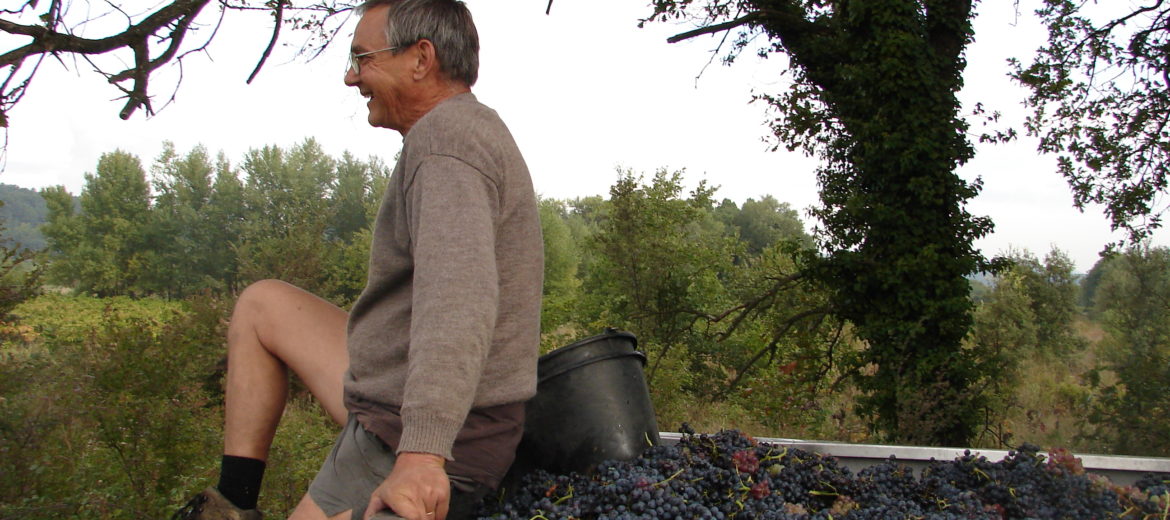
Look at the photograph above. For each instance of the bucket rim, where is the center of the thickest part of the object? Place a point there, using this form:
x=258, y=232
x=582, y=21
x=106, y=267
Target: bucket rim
x=608, y=334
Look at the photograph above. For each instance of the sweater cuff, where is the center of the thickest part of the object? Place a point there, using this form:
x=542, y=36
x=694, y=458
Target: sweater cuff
x=426, y=432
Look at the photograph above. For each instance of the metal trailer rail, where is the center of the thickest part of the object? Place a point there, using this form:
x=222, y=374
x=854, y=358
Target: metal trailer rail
x=1122, y=470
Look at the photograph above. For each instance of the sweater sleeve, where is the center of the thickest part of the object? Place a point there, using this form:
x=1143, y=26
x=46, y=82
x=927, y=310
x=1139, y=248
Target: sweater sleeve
x=452, y=209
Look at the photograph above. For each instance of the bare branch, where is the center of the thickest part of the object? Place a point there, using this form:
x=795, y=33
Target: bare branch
x=743, y=20
x=785, y=327
x=278, y=14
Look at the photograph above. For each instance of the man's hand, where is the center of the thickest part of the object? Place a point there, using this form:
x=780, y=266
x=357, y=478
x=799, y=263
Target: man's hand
x=416, y=489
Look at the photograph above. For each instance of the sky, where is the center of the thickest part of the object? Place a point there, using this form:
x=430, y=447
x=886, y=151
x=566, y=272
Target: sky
x=585, y=92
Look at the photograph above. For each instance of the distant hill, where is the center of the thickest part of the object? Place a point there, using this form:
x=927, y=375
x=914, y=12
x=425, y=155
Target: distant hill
x=22, y=214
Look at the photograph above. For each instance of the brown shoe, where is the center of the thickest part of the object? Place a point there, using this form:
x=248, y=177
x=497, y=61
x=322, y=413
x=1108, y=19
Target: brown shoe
x=210, y=505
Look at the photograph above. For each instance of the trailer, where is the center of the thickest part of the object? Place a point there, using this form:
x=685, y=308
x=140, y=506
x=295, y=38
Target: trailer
x=1121, y=470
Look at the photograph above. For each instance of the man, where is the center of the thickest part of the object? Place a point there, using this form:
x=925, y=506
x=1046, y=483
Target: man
x=430, y=370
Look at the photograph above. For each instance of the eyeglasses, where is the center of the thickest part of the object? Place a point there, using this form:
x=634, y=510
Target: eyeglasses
x=355, y=63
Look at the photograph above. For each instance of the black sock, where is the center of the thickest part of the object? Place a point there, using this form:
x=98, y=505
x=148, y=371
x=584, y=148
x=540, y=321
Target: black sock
x=239, y=480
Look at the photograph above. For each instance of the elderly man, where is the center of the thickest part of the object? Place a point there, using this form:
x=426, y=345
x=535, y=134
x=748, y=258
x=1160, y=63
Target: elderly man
x=430, y=370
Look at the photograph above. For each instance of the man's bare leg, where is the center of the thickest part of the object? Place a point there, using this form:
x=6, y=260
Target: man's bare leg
x=307, y=509
x=276, y=326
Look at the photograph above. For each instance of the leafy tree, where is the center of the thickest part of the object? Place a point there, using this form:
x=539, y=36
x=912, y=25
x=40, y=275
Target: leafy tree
x=1133, y=300
x=1051, y=288
x=102, y=249
x=1005, y=331
x=765, y=222
x=561, y=260
x=286, y=194
x=1091, y=281
x=351, y=194
x=62, y=233
x=1100, y=94
x=654, y=274
x=355, y=198
x=874, y=95
x=183, y=229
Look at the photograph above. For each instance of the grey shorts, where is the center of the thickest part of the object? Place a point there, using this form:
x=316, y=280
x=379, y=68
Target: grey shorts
x=358, y=464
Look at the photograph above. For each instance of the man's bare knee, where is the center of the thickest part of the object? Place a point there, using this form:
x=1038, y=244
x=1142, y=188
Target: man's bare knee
x=254, y=311
x=256, y=299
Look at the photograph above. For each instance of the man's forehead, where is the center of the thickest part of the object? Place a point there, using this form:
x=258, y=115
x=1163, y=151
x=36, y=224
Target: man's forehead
x=371, y=28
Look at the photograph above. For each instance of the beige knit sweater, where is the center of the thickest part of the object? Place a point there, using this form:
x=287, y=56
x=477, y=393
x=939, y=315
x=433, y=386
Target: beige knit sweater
x=450, y=316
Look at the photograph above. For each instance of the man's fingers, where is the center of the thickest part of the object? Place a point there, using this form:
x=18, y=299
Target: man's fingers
x=374, y=507
x=441, y=511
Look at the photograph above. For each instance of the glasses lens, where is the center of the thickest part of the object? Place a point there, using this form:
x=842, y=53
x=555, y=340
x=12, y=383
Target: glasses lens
x=353, y=64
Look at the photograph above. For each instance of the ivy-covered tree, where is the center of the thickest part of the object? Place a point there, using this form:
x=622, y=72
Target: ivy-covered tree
x=1100, y=99
x=874, y=96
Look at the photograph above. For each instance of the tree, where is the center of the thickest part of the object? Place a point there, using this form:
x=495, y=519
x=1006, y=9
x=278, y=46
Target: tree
x=285, y=195
x=1051, y=289
x=1100, y=95
x=182, y=225
x=874, y=95
x=1005, y=331
x=765, y=222
x=654, y=274
x=148, y=39
x=102, y=249
x=1133, y=300
x=561, y=261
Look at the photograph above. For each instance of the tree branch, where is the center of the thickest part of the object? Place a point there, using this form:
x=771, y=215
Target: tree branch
x=743, y=20
x=278, y=14
x=785, y=327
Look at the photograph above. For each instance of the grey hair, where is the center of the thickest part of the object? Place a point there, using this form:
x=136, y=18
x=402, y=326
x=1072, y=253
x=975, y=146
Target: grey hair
x=445, y=23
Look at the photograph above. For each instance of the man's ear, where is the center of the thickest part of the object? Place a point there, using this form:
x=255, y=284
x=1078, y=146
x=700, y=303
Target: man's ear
x=427, y=63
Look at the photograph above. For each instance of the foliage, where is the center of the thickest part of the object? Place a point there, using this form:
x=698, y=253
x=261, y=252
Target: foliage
x=298, y=215
x=1100, y=95
x=1134, y=302
x=765, y=222
x=19, y=277
x=738, y=331
x=561, y=261
x=104, y=249
x=115, y=411
x=1051, y=288
x=1004, y=333
x=1028, y=316
x=23, y=210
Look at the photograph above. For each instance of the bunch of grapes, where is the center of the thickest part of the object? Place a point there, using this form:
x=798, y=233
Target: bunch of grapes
x=729, y=475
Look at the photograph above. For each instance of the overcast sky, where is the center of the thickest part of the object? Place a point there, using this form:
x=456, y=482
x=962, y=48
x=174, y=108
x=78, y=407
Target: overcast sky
x=584, y=91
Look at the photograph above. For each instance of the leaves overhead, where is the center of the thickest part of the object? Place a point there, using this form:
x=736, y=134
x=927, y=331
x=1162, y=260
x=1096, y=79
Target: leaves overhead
x=1100, y=99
